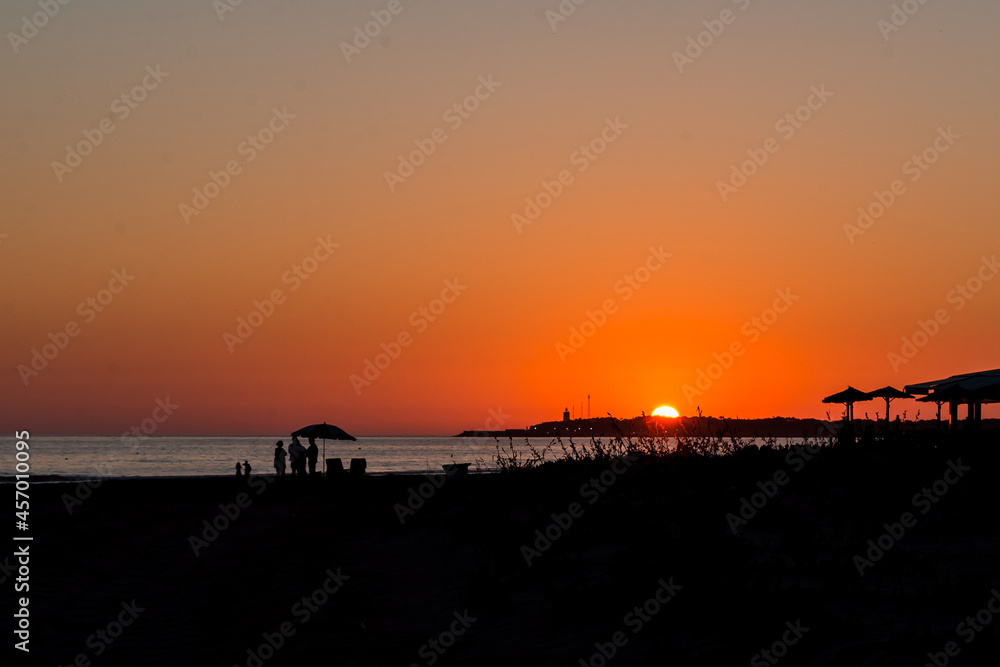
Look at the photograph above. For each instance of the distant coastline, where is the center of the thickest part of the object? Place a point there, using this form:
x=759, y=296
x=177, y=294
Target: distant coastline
x=638, y=427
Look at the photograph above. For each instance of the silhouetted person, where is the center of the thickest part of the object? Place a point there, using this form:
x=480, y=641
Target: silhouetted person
x=239, y=470
x=279, y=459
x=312, y=454
x=297, y=457
x=246, y=469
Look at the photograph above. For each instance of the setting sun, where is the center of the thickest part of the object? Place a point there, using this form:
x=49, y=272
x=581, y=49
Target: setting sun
x=665, y=411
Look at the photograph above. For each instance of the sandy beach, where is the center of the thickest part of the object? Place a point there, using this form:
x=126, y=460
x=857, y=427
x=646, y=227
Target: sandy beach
x=648, y=561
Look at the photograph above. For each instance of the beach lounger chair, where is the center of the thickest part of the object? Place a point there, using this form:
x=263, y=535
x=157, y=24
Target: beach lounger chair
x=334, y=467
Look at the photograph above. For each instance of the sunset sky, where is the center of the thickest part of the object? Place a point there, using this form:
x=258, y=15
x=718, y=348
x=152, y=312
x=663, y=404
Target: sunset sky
x=627, y=134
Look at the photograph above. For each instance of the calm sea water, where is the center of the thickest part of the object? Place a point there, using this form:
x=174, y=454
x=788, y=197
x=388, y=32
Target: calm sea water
x=172, y=456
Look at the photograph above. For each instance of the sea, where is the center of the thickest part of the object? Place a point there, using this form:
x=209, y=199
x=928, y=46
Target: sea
x=196, y=456
x=187, y=456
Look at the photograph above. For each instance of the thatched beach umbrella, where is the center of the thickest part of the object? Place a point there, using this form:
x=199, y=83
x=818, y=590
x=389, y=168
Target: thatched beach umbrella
x=324, y=431
x=889, y=394
x=848, y=397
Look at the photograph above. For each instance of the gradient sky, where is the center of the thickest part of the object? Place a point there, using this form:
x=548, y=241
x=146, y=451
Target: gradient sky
x=495, y=346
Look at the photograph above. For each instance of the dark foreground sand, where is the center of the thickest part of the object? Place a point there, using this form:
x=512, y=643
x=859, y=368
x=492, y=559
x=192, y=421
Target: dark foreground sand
x=457, y=564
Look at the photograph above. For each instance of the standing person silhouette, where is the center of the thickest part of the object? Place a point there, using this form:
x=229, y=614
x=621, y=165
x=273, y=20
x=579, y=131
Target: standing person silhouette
x=312, y=453
x=239, y=471
x=246, y=469
x=297, y=457
x=279, y=459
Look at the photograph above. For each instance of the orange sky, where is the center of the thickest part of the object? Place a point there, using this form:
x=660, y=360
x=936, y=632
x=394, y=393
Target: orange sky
x=607, y=76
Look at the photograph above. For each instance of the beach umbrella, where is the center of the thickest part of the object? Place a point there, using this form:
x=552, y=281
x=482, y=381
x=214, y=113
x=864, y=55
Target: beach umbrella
x=848, y=397
x=324, y=431
x=889, y=394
